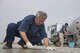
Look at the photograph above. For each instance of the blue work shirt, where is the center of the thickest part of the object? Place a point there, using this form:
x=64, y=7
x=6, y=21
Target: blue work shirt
x=34, y=32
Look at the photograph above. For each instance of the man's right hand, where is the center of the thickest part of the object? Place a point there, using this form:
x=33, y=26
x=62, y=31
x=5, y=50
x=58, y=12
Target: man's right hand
x=29, y=45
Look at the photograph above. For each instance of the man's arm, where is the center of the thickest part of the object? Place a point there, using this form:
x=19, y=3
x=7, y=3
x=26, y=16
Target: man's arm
x=24, y=36
x=23, y=28
x=46, y=43
x=45, y=38
x=44, y=35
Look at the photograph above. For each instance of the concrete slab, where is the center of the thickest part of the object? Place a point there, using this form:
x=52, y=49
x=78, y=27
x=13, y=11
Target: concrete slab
x=38, y=49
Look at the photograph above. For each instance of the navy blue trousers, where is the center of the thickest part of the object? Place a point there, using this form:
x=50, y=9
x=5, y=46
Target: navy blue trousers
x=11, y=32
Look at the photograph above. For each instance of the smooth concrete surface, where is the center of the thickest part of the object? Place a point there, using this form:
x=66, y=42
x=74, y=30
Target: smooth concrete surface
x=38, y=49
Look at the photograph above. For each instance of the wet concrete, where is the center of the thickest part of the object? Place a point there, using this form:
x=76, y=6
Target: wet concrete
x=39, y=49
x=17, y=50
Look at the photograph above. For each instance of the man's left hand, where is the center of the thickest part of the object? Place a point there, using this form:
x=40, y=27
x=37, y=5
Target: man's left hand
x=50, y=48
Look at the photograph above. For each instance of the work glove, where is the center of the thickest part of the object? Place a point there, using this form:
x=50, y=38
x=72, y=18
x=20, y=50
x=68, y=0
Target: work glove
x=29, y=45
x=50, y=48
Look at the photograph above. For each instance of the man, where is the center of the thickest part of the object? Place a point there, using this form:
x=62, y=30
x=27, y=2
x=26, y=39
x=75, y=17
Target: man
x=31, y=30
x=63, y=33
x=78, y=27
x=78, y=33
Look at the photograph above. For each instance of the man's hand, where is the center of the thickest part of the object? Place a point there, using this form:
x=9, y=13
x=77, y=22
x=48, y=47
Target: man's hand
x=29, y=45
x=50, y=48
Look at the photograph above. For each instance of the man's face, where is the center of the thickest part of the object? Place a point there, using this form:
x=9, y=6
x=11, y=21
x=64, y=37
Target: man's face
x=66, y=25
x=39, y=20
